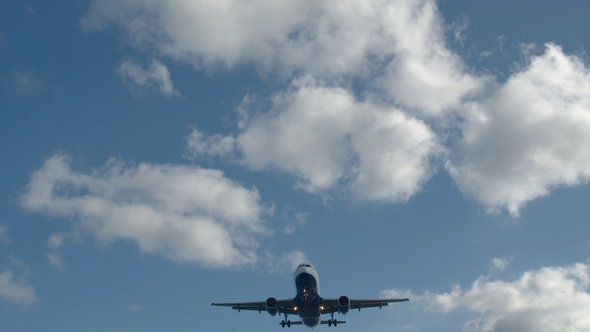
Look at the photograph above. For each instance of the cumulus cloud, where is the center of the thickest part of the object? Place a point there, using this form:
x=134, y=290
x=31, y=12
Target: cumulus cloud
x=16, y=290
x=424, y=74
x=185, y=213
x=549, y=299
x=324, y=136
x=528, y=138
x=328, y=39
x=156, y=76
x=516, y=140
x=319, y=36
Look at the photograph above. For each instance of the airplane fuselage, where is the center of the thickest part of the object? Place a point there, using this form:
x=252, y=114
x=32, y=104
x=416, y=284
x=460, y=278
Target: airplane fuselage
x=307, y=303
x=307, y=285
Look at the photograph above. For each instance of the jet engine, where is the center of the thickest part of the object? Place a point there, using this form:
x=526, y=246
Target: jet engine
x=343, y=304
x=272, y=306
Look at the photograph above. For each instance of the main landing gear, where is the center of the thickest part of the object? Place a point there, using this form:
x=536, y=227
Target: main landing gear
x=286, y=322
x=332, y=321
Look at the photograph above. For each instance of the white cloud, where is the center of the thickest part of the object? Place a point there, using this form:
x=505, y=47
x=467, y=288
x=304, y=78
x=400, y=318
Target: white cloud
x=56, y=260
x=327, y=39
x=215, y=145
x=425, y=74
x=154, y=76
x=518, y=140
x=135, y=308
x=319, y=36
x=30, y=10
x=323, y=136
x=499, y=264
x=530, y=137
x=550, y=299
x=287, y=261
x=294, y=258
x=55, y=241
x=3, y=237
x=16, y=291
x=26, y=82
x=185, y=213
x=292, y=223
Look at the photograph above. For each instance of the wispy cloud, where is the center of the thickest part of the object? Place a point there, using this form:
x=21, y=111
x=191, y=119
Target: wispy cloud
x=29, y=10
x=135, y=308
x=286, y=261
x=499, y=264
x=55, y=241
x=298, y=220
x=3, y=237
x=56, y=260
x=155, y=76
x=16, y=290
x=26, y=82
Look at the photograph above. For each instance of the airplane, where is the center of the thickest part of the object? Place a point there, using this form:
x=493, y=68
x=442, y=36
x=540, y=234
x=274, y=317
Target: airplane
x=308, y=304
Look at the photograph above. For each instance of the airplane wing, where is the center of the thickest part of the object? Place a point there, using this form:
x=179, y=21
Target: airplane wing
x=283, y=306
x=331, y=305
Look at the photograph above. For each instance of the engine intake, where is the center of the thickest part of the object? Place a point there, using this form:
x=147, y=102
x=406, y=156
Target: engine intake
x=343, y=304
x=272, y=306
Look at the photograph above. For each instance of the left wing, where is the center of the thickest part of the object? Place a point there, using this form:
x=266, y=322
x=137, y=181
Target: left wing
x=283, y=306
x=331, y=305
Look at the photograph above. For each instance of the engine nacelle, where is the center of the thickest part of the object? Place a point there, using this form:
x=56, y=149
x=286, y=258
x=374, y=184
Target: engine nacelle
x=343, y=304
x=272, y=306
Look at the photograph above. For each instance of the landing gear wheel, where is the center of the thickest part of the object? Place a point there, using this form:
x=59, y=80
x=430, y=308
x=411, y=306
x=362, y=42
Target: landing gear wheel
x=283, y=324
x=335, y=322
x=288, y=323
x=329, y=322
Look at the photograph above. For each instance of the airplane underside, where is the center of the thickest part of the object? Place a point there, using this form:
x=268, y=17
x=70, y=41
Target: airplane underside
x=308, y=304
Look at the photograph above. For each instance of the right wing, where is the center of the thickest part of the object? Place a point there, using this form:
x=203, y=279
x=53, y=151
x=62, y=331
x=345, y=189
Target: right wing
x=331, y=305
x=283, y=306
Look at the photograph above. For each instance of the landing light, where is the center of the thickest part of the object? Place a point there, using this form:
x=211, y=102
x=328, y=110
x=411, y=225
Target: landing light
x=295, y=308
x=322, y=308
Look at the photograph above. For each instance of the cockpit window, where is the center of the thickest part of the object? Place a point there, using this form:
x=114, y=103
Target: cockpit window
x=304, y=265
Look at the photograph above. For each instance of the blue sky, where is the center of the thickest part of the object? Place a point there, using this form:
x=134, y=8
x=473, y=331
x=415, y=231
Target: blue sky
x=161, y=155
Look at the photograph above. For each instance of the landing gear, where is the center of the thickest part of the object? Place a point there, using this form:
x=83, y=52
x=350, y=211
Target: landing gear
x=286, y=321
x=332, y=320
